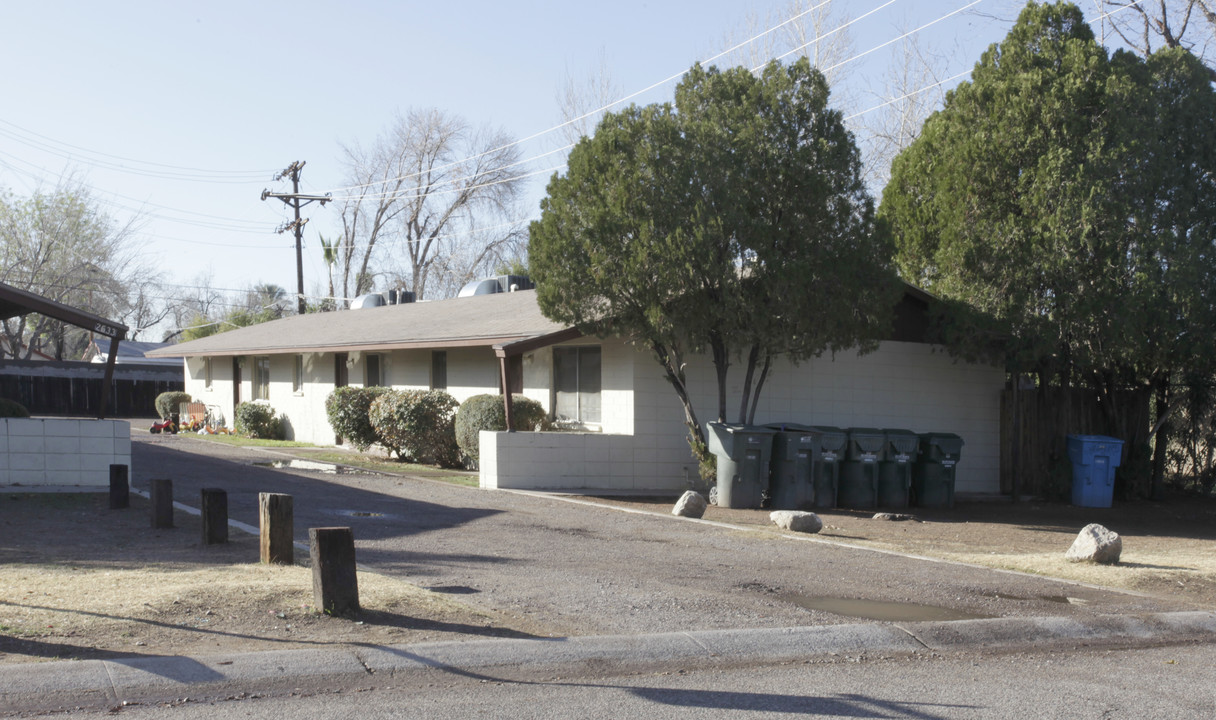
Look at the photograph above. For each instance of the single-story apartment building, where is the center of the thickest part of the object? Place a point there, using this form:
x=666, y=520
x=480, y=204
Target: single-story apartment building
x=623, y=425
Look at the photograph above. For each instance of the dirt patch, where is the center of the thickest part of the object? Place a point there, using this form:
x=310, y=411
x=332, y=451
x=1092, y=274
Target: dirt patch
x=1168, y=547
x=104, y=584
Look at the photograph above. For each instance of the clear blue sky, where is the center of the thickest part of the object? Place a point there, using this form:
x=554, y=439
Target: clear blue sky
x=234, y=91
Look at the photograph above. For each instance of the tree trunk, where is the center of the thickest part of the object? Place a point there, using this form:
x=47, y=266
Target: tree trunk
x=768, y=363
x=670, y=359
x=721, y=358
x=1161, y=440
x=752, y=356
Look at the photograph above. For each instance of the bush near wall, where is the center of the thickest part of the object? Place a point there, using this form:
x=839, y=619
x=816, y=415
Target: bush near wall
x=12, y=409
x=417, y=425
x=486, y=412
x=347, y=409
x=258, y=420
x=170, y=402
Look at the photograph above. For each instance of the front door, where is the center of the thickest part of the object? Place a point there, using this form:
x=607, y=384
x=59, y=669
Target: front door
x=236, y=384
x=341, y=379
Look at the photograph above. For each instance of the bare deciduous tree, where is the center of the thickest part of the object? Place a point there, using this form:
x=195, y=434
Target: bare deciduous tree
x=582, y=103
x=428, y=184
x=911, y=92
x=1188, y=24
x=59, y=244
x=814, y=29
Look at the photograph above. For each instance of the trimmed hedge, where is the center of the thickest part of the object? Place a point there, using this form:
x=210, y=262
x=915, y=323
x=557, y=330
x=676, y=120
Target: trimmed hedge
x=418, y=425
x=347, y=409
x=170, y=402
x=257, y=420
x=12, y=409
x=486, y=412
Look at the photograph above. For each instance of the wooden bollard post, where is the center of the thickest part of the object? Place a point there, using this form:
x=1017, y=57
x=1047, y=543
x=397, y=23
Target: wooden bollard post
x=274, y=512
x=120, y=489
x=335, y=586
x=215, y=516
x=162, y=503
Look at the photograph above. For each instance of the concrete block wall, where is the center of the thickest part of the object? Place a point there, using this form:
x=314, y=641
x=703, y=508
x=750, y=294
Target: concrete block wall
x=61, y=452
x=575, y=461
x=903, y=386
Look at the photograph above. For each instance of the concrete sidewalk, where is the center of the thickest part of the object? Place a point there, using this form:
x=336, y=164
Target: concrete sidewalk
x=101, y=683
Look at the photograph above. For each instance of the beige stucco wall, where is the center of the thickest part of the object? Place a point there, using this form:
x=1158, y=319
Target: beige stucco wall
x=903, y=385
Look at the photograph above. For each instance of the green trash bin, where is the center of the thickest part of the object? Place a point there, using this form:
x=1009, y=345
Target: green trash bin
x=859, y=472
x=793, y=466
x=833, y=445
x=933, y=473
x=743, y=455
x=895, y=470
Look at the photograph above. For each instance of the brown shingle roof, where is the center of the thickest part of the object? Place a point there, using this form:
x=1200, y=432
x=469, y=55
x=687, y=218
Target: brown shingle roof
x=479, y=320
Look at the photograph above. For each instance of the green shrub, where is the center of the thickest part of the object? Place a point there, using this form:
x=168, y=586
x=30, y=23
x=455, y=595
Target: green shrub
x=418, y=425
x=257, y=420
x=347, y=408
x=12, y=409
x=486, y=412
x=170, y=402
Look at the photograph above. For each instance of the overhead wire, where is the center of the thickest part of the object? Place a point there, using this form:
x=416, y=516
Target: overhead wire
x=172, y=172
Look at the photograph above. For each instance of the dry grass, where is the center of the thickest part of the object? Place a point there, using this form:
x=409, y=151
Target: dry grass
x=108, y=586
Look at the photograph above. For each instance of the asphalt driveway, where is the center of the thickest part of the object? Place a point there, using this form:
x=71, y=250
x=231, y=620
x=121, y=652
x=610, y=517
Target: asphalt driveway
x=581, y=569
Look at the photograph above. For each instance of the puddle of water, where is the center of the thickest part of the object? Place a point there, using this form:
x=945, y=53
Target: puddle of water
x=297, y=464
x=881, y=610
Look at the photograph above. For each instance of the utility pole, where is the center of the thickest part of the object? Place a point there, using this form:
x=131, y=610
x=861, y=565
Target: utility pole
x=296, y=201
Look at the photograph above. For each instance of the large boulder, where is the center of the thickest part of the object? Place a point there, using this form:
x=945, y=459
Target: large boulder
x=691, y=504
x=1096, y=544
x=796, y=520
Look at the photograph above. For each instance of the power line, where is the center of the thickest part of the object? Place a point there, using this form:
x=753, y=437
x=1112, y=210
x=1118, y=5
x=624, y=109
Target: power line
x=296, y=201
x=173, y=172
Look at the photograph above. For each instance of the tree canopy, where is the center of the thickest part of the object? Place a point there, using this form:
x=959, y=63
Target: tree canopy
x=733, y=222
x=1071, y=196
x=59, y=244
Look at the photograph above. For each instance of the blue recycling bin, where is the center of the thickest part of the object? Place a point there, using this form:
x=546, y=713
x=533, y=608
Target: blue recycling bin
x=1094, y=459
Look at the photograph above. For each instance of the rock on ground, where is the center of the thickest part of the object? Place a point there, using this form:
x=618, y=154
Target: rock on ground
x=1096, y=544
x=796, y=520
x=896, y=517
x=691, y=504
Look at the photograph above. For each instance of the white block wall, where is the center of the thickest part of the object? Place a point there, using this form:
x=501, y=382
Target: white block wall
x=61, y=452
x=907, y=386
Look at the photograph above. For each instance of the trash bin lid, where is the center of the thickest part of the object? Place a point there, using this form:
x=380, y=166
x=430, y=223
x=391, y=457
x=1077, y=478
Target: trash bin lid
x=870, y=440
x=789, y=427
x=723, y=436
x=1083, y=448
x=832, y=439
x=947, y=443
x=904, y=441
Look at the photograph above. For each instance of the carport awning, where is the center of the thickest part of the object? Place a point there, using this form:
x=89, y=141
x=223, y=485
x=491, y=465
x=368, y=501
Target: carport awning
x=15, y=302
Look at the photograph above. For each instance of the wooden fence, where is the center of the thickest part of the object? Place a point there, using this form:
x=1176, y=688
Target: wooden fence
x=1035, y=425
x=74, y=388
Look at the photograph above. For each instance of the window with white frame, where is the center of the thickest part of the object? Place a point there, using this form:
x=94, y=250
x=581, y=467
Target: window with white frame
x=373, y=370
x=576, y=384
x=439, y=370
x=261, y=377
x=206, y=373
x=297, y=375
